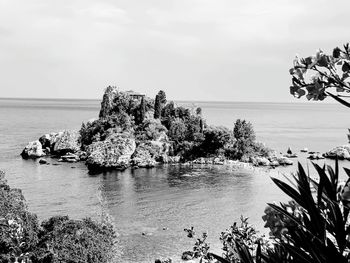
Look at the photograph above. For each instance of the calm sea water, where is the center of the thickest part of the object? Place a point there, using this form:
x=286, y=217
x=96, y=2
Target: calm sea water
x=162, y=201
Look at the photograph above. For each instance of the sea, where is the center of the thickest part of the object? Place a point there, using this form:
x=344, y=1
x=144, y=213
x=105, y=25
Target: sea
x=150, y=208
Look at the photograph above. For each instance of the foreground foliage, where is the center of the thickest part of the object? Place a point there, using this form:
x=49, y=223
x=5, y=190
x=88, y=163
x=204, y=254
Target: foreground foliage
x=313, y=227
x=322, y=75
x=58, y=239
x=18, y=227
x=66, y=240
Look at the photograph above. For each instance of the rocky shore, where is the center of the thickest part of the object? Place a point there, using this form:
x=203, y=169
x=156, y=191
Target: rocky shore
x=63, y=145
x=120, y=151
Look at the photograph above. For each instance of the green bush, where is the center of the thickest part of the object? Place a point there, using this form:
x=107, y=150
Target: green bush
x=168, y=114
x=79, y=241
x=18, y=227
x=244, y=135
x=150, y=129
x=97, y=130
x=319, y=232
x=177, y=131
x=215, y=139
x=193, y=127
x=58, y=239
x=123, y=103
x=239, y=241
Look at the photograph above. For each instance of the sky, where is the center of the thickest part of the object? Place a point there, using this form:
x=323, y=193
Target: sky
x=213, y=50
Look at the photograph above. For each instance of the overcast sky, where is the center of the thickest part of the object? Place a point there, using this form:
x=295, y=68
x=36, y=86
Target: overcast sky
x=228, y=50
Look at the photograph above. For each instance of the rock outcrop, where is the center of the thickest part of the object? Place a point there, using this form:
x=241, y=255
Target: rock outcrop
x=43, y=161
x=69, y=158
x=315, y=156
x=107, y=102
x=33, y=150
x=66, y=142
x=142, y=157
x=56, y=143
x=284, y=160
x=262, y=161
x=114, y=152
x=150, y=152
x=48, y=141
x=342, y=152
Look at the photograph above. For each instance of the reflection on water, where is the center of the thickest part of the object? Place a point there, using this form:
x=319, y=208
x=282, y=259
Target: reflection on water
x=161, y=202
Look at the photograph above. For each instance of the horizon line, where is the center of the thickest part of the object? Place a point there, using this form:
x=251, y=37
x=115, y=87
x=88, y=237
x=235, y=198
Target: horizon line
x=181, y=100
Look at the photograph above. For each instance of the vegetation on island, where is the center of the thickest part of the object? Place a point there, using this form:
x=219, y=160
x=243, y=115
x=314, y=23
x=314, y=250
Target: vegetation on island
x=164, y=132
x=58, y=239
x=134, y=130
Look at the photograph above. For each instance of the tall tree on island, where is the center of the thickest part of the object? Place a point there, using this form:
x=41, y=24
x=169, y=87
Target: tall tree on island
x=142, y=110
x=162, y=97
x=157, y=107
x=159, y=103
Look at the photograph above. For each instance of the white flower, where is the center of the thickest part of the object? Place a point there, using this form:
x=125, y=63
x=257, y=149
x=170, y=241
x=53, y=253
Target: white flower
x=296, y=61
x=319, y=54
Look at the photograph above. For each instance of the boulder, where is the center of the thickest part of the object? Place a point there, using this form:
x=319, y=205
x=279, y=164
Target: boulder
x=157, y=151
x=274, y=163
x=187, y=255
x=48, y=140
x=167, y=260
x=69, y=158
x=163, y=158
x=54, y=136
x=292, y=155
x=161, y=147
x=218, y=161
x=114, y=152
x=284, y=161
x=174, y=159
x=33, y=150
x=342, y=152
x=43, y=161
x=47, y=150
x=143, y=158
x=82, y=155
x=45, y=141
x=66, y=142
x=245, y=159
x=263, y=161
x=200, y=160
x=315, y=156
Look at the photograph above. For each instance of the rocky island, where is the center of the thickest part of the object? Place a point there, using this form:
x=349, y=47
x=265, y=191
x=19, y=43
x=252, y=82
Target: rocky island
x=134, y=130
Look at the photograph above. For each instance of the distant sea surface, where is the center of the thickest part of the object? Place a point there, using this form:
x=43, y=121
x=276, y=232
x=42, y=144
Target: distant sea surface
x=162, y=201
